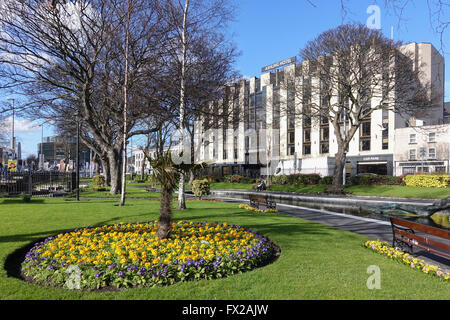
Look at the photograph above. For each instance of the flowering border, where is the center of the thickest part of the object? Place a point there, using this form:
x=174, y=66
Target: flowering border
x=250, y=208
x=382, y=247
x=233, y=249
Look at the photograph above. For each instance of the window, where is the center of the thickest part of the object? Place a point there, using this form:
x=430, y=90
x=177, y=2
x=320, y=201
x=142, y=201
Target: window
x=423, y=153
x=306, y=141
x=431, y=153
x=364, y=138
x=412, y=154
x=324, y=139
x=432, y=137
x=439, y=169
x=407, y=170
x=412, y=138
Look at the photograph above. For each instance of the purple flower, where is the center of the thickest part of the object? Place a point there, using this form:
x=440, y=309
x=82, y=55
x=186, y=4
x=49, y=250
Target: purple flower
x=99, y=274
x=120, y=274
x=131, y=268
x=112, y=266
x=142, y=271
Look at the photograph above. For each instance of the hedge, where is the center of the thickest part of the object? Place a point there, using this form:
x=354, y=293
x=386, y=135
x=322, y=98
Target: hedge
x=201, y=188
x=430, y=181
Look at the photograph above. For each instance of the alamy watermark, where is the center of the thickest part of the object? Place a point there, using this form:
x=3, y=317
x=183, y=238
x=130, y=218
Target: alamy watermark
x=374, y=20
x=374, y=280
x=74, y=280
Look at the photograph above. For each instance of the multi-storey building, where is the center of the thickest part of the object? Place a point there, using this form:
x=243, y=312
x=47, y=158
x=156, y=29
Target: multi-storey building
x=250, y=134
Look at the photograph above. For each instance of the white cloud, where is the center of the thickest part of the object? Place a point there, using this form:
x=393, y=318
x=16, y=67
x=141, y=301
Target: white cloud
x=20, y=126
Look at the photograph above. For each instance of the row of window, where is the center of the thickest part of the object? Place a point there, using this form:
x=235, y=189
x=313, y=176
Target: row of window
x=413, y=137
x=422, y=154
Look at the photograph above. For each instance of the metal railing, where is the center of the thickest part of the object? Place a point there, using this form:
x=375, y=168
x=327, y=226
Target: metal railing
x=37, y=183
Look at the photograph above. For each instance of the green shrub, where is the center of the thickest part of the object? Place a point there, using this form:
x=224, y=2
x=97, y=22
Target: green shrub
x=373, y=179
x=200, y=188
x=296, y=179
x=26, y=197
x=99, y=180
x=327, y=180
x=235, y=178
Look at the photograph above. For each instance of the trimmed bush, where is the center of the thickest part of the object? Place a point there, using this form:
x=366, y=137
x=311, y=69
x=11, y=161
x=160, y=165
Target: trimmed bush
x=99, y=180
x=296, y=179
x=429, y=181
x=200, y=188
x=372, y=179
x=235, y=178
x=327, y=180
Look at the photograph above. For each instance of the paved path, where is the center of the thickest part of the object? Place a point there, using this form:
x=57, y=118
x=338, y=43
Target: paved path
x=374, y=229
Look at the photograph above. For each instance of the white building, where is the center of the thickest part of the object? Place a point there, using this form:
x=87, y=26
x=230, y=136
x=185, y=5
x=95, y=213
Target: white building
x=422, y=149
x=253, y=131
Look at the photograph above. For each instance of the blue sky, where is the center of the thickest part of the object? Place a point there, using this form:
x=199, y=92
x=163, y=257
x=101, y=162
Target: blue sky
x=267, y=31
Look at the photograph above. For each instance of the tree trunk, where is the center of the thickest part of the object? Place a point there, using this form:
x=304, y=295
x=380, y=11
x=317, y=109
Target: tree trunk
x=191, y=176
x=338, y=173
x=115, y=172
x=181, y=197
x=181, y=194
x=165, y=214
x=106, y=170
x=142, y=169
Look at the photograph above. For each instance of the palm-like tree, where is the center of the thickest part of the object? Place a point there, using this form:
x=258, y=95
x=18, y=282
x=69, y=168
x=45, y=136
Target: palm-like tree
x=167, y=175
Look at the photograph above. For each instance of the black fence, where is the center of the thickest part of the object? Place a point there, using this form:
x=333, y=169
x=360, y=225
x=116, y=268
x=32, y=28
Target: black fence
x=37, y=183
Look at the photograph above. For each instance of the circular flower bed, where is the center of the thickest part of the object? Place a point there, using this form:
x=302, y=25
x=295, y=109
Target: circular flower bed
x=129, y=255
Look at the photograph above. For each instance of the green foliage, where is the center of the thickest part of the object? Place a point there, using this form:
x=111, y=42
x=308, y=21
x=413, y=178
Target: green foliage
x=99, y=180
x=327, y=180
x=296, y=179
x=373, y=179
x=26, y=197
x=201, y=188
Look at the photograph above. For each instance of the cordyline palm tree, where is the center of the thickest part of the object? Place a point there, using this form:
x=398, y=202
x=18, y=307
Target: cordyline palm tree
x=167, y=175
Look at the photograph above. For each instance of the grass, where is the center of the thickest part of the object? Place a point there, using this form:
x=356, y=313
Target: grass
x=316, y=262
x=380, y=191
x=133, y=191
x=400, y=191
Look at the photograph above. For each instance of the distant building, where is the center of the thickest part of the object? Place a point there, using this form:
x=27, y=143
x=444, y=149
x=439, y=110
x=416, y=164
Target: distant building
x=447, y=112
x=422, y=149
x=258, y=135
x=56, y=148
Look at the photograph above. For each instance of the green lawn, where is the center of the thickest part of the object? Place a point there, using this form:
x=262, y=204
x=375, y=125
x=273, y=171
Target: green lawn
x=316, y=262
x=400, y=191
x=382, y=191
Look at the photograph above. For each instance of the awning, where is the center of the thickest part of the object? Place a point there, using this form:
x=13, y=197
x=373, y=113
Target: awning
x=371, y=162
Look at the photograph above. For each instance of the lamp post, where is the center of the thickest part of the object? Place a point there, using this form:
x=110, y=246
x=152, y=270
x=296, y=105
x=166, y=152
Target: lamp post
x=13, y=144
x=78, y=156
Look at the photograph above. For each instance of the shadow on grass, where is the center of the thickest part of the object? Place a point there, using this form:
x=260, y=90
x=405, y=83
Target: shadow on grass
x=20, y=201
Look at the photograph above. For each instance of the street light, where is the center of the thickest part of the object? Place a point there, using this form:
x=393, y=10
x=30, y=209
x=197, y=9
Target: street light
x=13, y=144
x=78, y=156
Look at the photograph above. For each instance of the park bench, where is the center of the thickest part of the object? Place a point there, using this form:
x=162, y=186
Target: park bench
x=150, y=189
x=406, y=233
x=257, y=200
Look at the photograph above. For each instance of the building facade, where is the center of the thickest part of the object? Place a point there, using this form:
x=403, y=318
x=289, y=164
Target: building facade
x=249, y=133
x=422, y=149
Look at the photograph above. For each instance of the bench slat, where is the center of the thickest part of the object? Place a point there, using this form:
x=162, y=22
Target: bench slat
x=422, y=228
x=439, y=252
x=425, y=240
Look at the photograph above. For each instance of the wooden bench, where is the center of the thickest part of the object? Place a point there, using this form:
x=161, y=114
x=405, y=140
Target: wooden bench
x=150, y=189
x=257, y=200
x=404, y=233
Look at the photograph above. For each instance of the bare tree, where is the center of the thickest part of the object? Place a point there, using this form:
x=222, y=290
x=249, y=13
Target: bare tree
x=67, y=57
x=348, y=73
x=192, y=21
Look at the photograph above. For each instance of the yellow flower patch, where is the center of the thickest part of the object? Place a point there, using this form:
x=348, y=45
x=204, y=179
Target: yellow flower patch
x=383, y=248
